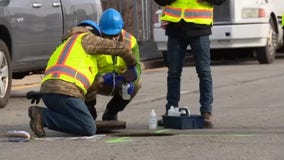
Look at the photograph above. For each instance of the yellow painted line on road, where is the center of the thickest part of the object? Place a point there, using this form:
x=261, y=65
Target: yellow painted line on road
x=19, y=87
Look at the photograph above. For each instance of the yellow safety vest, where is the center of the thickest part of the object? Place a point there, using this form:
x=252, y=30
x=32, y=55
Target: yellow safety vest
x=282, y=20
x=191, y=11
x=70, y=63
x=109, y=63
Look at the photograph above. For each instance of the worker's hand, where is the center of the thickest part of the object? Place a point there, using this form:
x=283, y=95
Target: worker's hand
x=112, y=79
x=164, y=24
x=130, y=75
x=34, y=96
x=131, y=88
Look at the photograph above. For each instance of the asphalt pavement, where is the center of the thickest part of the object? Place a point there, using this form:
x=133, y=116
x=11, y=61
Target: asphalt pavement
x=248, y=114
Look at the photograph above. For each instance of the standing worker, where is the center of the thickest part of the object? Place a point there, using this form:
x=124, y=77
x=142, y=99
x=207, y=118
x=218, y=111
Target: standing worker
x=70, y=72
x=189, y=23
x=112, y=68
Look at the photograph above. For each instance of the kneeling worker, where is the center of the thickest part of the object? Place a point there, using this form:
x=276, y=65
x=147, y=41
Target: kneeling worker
x=70, y=72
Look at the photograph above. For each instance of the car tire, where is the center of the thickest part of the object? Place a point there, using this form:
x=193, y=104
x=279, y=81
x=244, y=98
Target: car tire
x=5, y=74
x=266, y=54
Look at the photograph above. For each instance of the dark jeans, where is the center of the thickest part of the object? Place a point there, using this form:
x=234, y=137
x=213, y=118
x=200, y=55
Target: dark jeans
x=67, y=114
x=177, y=47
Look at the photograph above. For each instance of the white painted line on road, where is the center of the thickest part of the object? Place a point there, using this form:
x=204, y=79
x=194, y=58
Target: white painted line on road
x=89, y=138
x=219, y=135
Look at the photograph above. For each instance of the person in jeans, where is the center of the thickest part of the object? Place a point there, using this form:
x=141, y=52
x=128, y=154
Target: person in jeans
x=189, y=23
x=70, y=72
x=112, y=70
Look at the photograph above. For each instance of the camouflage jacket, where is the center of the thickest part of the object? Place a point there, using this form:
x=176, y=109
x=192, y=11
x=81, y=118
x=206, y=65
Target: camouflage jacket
x=92, y=44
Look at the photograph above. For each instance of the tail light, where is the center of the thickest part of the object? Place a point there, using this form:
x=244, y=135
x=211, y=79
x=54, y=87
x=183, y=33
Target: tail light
x=253, y=13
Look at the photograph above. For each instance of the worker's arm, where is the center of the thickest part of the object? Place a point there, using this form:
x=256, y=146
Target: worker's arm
x=98, y=45
x=74, y=30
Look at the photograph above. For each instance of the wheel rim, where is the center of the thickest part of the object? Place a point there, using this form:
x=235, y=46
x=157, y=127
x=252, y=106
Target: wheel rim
x=4, y=74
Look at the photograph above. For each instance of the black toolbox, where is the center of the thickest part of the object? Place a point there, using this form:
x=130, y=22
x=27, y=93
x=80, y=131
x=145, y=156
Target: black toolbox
x=183, y=122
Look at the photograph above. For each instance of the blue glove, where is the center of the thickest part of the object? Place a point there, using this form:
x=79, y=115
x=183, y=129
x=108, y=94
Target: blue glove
x=108, y=78
x=111, y=78
x=131, y=88
x=118, y=80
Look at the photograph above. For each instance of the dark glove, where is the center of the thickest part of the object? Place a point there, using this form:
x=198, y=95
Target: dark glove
x=34, y=96
x=131, y=88
x=164, y=2
x=130, y=75
x=112, y=79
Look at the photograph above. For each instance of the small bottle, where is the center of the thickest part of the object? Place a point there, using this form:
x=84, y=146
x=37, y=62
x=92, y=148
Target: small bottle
x=153, y=120
x=171, y=111
x=125, y=95
x=177, y=113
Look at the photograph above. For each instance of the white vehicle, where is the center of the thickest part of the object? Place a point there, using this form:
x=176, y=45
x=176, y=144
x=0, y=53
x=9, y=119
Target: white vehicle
x=254, y=25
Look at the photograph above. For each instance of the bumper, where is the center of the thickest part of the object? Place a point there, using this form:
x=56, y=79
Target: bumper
x=239, y=36
x=226, y=36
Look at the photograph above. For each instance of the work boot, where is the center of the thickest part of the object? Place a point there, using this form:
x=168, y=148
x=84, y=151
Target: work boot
x=208, y=120
x=115, y=105
x=35, y=114
x=109, y=115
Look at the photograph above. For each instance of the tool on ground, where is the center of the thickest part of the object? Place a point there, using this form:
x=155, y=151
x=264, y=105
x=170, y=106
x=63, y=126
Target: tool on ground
x=110, y=125
x=17, y=136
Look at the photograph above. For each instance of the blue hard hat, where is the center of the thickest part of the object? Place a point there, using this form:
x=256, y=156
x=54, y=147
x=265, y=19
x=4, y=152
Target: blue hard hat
x=91, y=23
x=111, y=22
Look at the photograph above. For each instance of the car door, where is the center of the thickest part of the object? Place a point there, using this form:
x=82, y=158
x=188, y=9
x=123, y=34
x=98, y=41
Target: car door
x=75, y=11
x=36, y=30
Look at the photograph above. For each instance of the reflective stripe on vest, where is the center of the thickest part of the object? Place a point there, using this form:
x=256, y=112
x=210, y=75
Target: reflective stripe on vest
x=58, y=69
x=66, y=50
x=127, y=37
x=198, y=13
x=188, y=13
x=174, y=12
x=191, y=11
